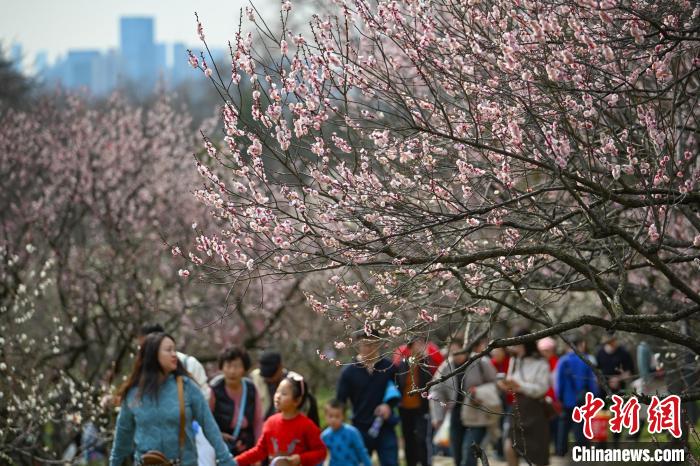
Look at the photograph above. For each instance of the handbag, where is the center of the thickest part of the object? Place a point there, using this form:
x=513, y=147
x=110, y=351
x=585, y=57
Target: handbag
x=488, y=396
x=487, y=411
x=155, y=457
x=550, y=411
x=487, y=393
x=442, y=435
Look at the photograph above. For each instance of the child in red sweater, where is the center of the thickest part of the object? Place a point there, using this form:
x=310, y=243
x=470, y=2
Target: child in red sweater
x=288, y=433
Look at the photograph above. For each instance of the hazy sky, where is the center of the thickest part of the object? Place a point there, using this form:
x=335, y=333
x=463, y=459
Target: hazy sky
x=58, y=25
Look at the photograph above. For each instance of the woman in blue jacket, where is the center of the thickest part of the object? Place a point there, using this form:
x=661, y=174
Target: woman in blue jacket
x=149, y=417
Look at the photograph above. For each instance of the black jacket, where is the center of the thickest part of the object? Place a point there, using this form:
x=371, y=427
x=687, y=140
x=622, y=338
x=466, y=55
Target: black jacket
x=364, y=390
x=224, y=408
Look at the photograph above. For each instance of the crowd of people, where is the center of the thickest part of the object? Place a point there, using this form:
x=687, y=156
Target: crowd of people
x=537, y=387
x=516, y=401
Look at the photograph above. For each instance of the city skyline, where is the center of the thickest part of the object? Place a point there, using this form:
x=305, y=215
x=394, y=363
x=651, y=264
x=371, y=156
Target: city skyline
x=138, y=59
x=85, y=25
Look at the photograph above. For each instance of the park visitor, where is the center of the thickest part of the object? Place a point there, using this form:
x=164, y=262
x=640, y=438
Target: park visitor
x=547, y=348
x=528, y=427
x=289, y=434
x=446, y=398
x=616, y=364
x=475, y=415
x=158, y=403
x=344, y=442
x=573, y=378
x=235, y=402
x=413, y=372
x=364, y=383
x=267, y=377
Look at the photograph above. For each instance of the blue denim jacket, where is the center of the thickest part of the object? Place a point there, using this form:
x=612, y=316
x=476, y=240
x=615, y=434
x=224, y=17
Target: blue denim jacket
x=146, y=424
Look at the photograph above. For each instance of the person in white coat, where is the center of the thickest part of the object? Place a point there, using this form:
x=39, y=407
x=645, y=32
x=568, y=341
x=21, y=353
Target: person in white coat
x=528, y=428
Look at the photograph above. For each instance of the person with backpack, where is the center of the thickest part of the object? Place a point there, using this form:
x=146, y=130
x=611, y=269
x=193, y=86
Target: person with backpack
x=235, y=402
x=158, y=403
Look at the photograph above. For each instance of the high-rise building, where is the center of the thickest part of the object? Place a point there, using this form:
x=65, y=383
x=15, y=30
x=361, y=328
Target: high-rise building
x=162, y=50
x=181, y=67
x=137, y=65
x=162, y=63
x=81, y=69
x=108, y=72
x=138, y=50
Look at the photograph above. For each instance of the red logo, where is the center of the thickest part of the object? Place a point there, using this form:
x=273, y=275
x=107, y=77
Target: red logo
x=587, y=412
x=663, y=415
x=624, y=415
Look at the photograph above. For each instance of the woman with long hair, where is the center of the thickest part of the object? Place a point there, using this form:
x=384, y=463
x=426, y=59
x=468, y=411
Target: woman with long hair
x=150, y=414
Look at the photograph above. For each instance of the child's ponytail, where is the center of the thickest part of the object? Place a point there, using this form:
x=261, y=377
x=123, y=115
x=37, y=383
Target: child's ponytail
x=300, y=389
x=313, y=410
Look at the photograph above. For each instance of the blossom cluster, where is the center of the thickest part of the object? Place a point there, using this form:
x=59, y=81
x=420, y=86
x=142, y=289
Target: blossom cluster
x=444, y=160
